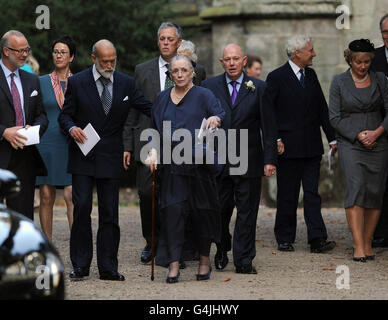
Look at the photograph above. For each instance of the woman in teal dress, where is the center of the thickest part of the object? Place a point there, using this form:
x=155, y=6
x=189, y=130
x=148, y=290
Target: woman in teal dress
x=53, y=146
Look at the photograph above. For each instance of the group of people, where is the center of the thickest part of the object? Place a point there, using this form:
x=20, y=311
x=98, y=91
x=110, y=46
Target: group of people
x=193, y=205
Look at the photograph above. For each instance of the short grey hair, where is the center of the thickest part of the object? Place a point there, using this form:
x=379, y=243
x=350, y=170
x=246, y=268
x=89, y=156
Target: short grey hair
x=188, y=46
x=180, y=57
x=297, y=42
x=4, y=42
x=169, y=24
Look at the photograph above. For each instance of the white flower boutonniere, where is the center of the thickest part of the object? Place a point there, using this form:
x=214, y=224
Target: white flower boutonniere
x=250, y=86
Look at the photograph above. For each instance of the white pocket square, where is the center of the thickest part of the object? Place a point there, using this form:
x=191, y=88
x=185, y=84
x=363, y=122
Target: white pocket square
x=126, y=98
x=34, y=93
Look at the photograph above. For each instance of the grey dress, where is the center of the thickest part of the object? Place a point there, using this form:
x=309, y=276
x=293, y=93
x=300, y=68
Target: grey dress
x=352, y=110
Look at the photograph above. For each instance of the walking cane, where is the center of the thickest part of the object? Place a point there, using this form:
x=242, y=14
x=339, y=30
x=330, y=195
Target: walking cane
x=153, y=225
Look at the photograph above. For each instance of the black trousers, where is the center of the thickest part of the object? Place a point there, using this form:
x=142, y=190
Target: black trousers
x=291, y=173
x=243, y=193
x=23, y=165
x=144, y=186
x=108, y=234
x=381, y=230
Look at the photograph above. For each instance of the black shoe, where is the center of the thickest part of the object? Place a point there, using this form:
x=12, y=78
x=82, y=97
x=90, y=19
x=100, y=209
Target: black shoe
x=111, y=275
x=79, y=273
x=205, y=276
x=359, y=259
x=246, y=269
x=321, y=246
x=285, y=246
x=146, y=254
x=380, y=243
x=370, y=257
x=221, y=260
x=173, y=279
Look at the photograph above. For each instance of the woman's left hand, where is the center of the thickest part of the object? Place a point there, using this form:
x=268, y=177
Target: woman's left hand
x=213, y=122
x=368, y=138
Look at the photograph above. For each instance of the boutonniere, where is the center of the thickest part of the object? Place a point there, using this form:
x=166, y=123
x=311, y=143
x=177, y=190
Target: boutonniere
x=250, y=86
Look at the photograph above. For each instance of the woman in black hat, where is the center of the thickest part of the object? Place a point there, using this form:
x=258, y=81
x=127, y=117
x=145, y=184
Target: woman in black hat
x=357, y=108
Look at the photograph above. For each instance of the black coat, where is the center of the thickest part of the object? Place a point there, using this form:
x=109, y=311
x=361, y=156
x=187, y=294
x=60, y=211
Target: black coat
x=300, y=112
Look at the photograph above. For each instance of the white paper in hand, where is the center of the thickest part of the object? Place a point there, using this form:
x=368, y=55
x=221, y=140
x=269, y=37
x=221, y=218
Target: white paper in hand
x=91, y=141
x=32, y=134
x=330, y=158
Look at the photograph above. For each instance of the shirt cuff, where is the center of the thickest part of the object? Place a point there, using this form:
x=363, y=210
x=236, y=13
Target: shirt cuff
x=278, y=140
x=333, y=142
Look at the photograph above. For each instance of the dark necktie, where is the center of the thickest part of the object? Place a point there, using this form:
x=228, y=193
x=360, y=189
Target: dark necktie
x=106, y=98
x=302, y=78
x=168, y=83
x=234, y=92
x=17, y=103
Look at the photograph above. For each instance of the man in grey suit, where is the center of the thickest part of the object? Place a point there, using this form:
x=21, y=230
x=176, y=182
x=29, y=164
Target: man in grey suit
x=20, y=106
x=151, y=78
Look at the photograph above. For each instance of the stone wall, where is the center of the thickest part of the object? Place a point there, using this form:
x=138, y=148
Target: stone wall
x=262, y=27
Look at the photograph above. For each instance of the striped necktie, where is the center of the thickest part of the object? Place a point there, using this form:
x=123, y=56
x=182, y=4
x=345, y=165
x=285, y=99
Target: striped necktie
x=302, y=78
x=106, y=97
x=168, y=83
x=19, y=117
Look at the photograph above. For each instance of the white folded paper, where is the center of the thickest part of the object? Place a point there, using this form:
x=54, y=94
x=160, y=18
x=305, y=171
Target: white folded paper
x=91, y=141
x=330, y=158
x=203, y=131
x=32, y=134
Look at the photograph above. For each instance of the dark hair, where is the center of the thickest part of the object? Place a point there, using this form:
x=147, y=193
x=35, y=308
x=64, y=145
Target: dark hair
x=382, y=20
x=252, y=59
x=67, y=40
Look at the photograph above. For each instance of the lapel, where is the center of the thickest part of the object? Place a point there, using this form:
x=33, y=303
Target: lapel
x=242, y=92
x=91, y=90
x=26, y=92
x=153, y=76
x=4, y=86
x=292, y=81
x=223, y=89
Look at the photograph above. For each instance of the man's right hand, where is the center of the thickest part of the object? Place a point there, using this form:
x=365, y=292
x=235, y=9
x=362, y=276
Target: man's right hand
x=78, y=134
x=14, y=138
x=280, y=147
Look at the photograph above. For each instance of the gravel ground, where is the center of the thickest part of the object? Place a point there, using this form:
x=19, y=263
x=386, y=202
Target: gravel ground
x=281, y=275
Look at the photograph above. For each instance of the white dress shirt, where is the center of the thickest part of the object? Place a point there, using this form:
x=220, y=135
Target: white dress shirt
x=162, y=72
x=100, y=87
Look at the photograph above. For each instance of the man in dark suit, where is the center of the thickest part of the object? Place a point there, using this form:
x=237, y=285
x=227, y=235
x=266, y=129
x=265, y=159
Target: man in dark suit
x=380, y=63
x=20, y=106
x=102, y=97
x=240, y=97
x=151, y=78
x=294, y=93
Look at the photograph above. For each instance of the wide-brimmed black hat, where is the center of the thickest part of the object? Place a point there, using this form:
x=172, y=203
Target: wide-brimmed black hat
x=361, y=45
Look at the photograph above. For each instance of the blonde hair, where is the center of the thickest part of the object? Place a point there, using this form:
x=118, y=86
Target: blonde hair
x=33, y=63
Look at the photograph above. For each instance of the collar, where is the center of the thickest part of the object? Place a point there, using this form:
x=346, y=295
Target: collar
x=295, y=68
x=97, y=75
x=386, y=52
x=162, y=62
x=239, y=80
x=6, y=71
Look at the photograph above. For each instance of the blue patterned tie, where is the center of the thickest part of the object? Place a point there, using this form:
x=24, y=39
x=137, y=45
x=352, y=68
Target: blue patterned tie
x=106, y=98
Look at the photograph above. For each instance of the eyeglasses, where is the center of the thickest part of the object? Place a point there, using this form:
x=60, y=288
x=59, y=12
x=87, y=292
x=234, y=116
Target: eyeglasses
x=20, y=51
x=384, y=33
x=62, y=53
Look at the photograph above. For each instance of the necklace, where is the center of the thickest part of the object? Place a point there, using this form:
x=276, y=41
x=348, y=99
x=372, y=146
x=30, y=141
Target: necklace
x=181, y=97
x=359, y=80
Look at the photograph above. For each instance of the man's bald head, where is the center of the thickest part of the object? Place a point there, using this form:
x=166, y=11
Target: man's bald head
x=233, y=60
x=104, y=57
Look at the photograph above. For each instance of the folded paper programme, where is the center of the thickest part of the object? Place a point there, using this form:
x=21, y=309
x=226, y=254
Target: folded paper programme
x=91, y=141
x=32, y=134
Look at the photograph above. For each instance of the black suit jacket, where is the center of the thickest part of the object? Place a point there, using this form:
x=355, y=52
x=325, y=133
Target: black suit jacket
x=379, y=62
x=148, y=81
x=300, y=112
x=83, y=105
x=34, y=115
x=248, y=113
